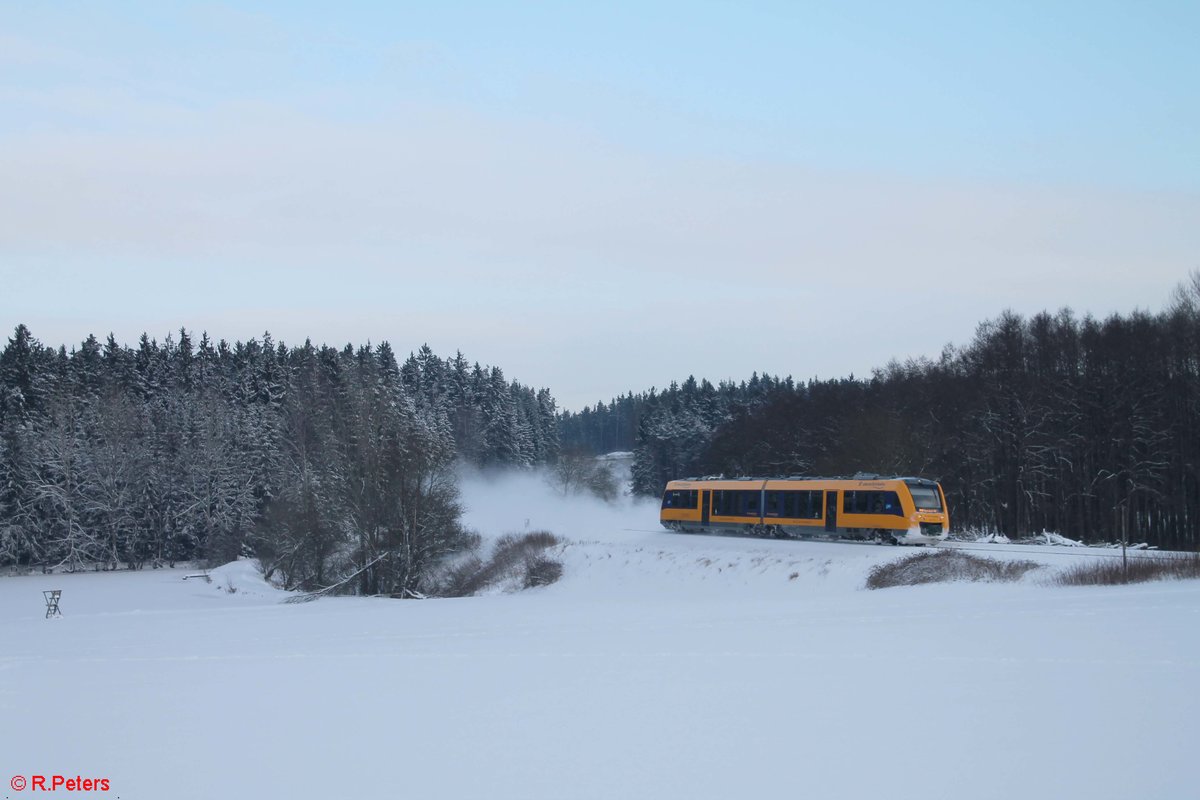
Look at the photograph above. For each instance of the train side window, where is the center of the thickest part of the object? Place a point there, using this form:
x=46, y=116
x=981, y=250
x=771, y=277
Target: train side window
x=793, y=510
x=729, y=503
x=816, y=505
x=801, y=504
x=857, y=502
x=680, y=498
x=871, y=502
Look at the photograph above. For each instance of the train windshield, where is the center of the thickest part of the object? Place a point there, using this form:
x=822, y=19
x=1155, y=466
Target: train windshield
x=926, y=497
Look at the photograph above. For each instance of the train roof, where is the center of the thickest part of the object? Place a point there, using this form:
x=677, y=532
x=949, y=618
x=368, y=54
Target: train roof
x=861, y=476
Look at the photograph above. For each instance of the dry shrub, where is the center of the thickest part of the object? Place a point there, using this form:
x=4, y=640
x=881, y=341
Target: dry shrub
x=542, y=571
x=515, y=559
x=1111, y=572
x=459, y=580
x=945, y=566
x=534, y=539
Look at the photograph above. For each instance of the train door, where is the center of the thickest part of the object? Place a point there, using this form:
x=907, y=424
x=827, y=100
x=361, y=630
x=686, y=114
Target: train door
x=704, y=508
x=831, y=512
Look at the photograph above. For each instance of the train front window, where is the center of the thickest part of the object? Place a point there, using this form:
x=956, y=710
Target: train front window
x=926, y=497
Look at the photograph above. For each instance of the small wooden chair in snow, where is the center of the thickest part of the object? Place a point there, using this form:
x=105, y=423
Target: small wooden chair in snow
x=52, y=596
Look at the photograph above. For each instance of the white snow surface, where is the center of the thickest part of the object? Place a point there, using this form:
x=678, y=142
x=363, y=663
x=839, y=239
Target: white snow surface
x=1059, y=539
x=661, y=666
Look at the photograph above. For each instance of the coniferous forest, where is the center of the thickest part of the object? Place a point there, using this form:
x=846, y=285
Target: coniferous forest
x=1079, y=426
x=329, y=465
x=338, y=466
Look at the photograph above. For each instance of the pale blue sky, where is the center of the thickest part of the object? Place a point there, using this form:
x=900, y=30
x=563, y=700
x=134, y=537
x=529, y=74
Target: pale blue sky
x=576, y=191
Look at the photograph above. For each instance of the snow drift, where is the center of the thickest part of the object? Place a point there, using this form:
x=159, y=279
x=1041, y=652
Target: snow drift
x=661, y=665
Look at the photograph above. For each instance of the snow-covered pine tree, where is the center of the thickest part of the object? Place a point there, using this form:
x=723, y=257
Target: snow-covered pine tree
x=500, y=446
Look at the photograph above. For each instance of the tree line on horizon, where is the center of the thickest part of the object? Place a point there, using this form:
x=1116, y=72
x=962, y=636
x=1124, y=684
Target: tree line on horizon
x=337, y=467
x=1081, y=426
x=330, y=465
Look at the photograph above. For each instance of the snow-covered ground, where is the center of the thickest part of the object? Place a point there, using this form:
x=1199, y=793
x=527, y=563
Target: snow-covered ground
x=660, y=666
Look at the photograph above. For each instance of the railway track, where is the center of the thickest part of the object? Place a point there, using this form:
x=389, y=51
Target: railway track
x=1050, y=550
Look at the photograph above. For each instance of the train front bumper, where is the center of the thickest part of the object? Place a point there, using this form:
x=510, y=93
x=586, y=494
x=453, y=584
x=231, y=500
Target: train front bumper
x=923, y=533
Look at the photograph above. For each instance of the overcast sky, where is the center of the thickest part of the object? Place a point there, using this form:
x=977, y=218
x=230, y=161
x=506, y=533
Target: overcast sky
x=595, y=197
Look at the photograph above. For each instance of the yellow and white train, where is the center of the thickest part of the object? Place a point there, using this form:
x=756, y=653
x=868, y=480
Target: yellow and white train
x=892, y=510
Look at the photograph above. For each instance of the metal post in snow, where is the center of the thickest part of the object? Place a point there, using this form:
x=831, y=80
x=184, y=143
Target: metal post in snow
x=1125, y=541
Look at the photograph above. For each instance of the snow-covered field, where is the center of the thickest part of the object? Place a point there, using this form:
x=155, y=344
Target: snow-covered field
x=661, y=666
